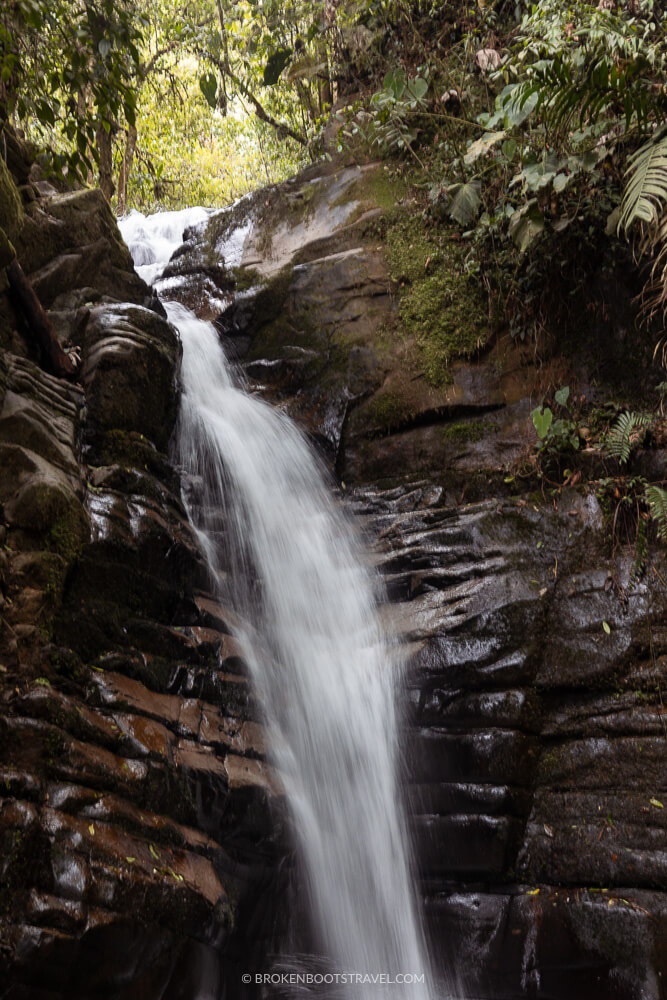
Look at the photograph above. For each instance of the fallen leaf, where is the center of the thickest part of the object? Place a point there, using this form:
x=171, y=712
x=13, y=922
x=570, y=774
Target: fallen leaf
x=488, y=59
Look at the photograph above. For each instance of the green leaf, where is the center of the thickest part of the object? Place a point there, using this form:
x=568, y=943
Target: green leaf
x=562, y=395
x=417, y=88
x=607, y=627
x=394, y=83
x=466, y=201
x=538, y=175
x=481, y=146
x=526, y=224
x=656, y=498
x=627, y=433
x=542, y=421
x=209, y=88
x=516, y=104
x=561, y=181
x=509, y=148
x=275, y=65
x=645, y=195
x=612, y=221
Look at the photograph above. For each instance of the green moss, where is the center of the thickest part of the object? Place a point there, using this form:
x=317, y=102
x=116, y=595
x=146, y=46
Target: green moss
x=373, y=189
x=131, y=449
x=245, y=278
x=69, y=533
x=386, y=412
x=56, y=514
x=67, y=664
x=440, y=307
x=467, y=430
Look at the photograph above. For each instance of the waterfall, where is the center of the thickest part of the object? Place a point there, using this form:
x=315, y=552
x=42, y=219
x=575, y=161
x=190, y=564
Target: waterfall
x=323, y=669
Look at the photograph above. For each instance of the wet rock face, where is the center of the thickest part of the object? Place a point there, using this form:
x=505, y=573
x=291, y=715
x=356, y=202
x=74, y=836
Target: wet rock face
x=138, y=816
x=142, y=833
x=317, y=324
x=534, y=737
x=535, y=742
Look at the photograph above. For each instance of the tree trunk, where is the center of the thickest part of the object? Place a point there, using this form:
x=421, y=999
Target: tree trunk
x=104, y=153
x=126, y=168
x=54, y=358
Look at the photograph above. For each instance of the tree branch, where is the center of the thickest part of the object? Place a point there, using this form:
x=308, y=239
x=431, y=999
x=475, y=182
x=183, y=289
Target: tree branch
x=281, y=128
x=56, y=360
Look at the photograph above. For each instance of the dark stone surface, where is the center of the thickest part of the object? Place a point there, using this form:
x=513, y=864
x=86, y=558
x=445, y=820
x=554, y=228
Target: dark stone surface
x=138, y=816
x=535, y=741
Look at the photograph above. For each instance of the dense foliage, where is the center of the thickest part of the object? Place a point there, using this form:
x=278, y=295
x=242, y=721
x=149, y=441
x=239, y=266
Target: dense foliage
x=178, y=102
x=68, y=68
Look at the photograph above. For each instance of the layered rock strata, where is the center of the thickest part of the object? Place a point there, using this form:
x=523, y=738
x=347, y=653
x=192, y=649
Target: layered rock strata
x=140, y=825
x=535, y=717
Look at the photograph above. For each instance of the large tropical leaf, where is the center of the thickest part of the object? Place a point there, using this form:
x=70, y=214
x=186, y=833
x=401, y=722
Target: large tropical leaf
x=526, y=224
x=275, y=65
x=466, y=201
x=645, y=195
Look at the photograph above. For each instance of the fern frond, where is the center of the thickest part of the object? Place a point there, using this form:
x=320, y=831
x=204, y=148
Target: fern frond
x=645, y=195
x=584, y=91
x=656, y=498
x=654, y=293
x=625, y=435
x=641, y=551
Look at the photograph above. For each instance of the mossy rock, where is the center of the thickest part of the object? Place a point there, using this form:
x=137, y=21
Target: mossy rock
x=51, y=511
x=132, y=450
x=386, y=412
x=440, y=307
x=129, y=373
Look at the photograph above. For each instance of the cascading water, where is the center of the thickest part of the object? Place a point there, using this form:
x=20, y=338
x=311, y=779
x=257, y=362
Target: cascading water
x=323, y=669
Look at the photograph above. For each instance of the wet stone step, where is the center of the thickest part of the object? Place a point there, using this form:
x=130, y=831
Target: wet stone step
x=497, y=756
x=465, y=844
x=551, y=942
x=512, y=709
x=444, y=798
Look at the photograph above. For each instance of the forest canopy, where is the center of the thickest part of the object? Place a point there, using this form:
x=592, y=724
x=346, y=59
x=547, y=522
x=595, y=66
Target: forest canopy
x=524, y=123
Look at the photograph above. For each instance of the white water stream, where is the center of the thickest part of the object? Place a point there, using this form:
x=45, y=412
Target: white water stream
x=323, y=669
